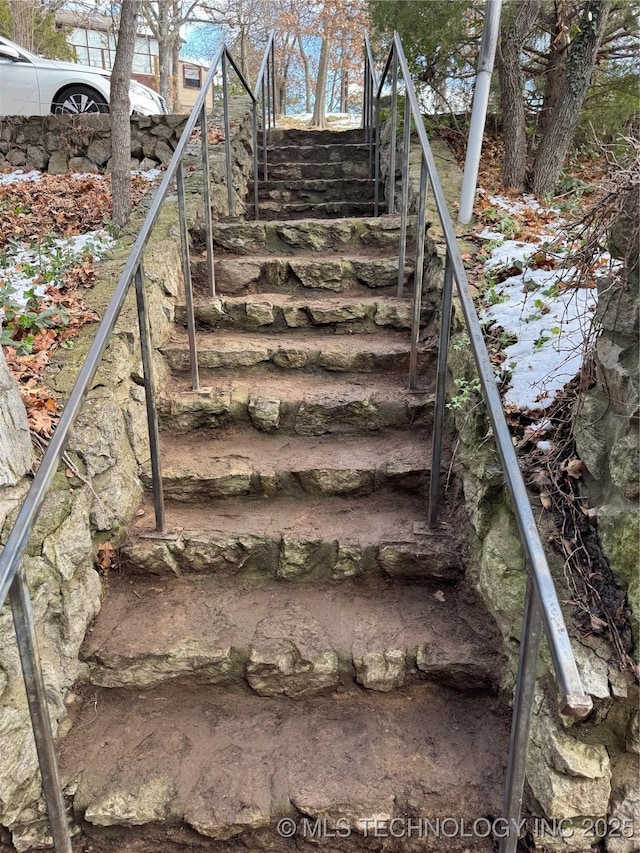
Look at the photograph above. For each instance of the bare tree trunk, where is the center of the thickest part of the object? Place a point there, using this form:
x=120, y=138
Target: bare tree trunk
x=165, y=46
x=307, y=77
x=175, y=77
x=343, y=76
x=344, y=90
x=120, y=109
x=319, y=110
x=332, y=94
x=563, y=12
x=22, y=17
x=581, y=61
x=243, y=53
x=517, y=23
x=164, y=69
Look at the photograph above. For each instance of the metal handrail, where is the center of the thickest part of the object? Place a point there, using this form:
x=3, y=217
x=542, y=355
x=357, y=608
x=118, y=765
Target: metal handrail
x=265, y=91
x=542, y=607
x=12, y=577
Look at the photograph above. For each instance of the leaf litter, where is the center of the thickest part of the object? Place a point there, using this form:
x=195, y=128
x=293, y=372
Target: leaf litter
x=536, y=298
x=54, y=231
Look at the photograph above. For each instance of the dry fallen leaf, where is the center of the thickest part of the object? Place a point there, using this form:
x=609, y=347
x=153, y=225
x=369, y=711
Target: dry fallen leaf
x=545, y=499
x=590, y=512
x=574, y=468
x=106, y=556
x=540, y=478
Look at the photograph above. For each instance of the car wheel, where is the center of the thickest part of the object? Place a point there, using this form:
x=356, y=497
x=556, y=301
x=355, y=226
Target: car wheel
x=79, y=99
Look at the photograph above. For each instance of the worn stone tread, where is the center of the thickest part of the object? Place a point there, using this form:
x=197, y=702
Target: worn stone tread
x=302, y=403
x=303, y=538
x=324, y=189
x=324, y=153
x=305, y=209
x=228, y=463
x=315, y=171
x=305, y=349
x=297, y=136
x=278, y=312
x=290, y=639
x=330, y=236
x=231, y=764
x=302, y=273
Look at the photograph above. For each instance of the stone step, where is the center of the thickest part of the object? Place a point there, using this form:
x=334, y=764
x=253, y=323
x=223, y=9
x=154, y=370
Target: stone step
x=294, y=640
x=174, y=764
x=312, y=171
x=316, y=191
x=256, y=274
x=307, y=136
x=279, y=312
x=300, y=539
x=234, y=462
x=304, y=404
x=344, y=236
x=331, y=153
x=298, y=350
x=277, y=210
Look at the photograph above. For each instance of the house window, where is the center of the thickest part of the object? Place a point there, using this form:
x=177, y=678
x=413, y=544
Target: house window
x=98, y=48
x=192, y=77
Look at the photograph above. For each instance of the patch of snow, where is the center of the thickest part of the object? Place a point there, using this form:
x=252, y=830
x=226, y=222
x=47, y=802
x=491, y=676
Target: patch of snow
x=19, y=175
x=543, y=425
x=529, y=202
x=551, y=333
x=22, y=270
x=80, y=175
x=544, y=446
x=148, y=174
x=511, y=252
x=551, y=323
x=345, y=121
x=488, y=234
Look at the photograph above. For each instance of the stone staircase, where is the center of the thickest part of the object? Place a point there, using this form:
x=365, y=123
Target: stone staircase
x=300, y=646
x=320, y=174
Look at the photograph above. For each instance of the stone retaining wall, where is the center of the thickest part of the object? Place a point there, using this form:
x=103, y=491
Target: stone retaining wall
x=578, y=770
x=92, y=497
x=89, y=502
x=60, y=143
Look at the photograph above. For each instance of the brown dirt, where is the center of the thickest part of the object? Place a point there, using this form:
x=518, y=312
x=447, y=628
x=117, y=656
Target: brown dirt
x=429, y=752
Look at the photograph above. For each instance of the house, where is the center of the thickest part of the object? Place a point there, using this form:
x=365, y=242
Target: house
x=92, y=38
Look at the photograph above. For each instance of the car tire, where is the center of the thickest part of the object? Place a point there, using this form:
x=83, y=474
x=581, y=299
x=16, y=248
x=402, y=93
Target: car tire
x=78, y=99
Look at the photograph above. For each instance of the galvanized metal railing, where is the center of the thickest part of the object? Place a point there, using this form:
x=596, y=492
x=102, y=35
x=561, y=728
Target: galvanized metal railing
x=13, y=582
x=265, y=92
x=541, y=605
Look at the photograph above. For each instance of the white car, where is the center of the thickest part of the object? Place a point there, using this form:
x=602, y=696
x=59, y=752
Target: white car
x=31, y=85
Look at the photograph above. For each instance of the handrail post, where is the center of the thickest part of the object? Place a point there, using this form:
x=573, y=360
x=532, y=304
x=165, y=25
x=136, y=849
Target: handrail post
x=363, y=122
x=254, y=129
x=273, y=81
x=376, y=197
x=186, y=272
x=370, y=121
x=22, y=613
x=267, y=75
x=227, y=134
x=206, y=185
x=264, y=133
x=521, y=720
x=150, y=398
x=418, y=276
x=394, y=129
x=404, y=201
x=441, y=381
